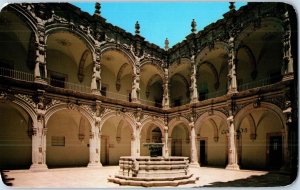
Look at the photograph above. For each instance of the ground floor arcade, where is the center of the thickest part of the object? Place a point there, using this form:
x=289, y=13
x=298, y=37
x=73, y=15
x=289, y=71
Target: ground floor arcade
x=256, y=138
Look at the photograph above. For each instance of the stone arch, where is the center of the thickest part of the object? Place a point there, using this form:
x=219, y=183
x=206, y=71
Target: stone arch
x=213, y=70
x=150, y=83
x=80, y=73
x=119, y=75
x=111, y=114
x=145, y=62
x=251, y=56
x=263, y=123
x=180, y=120
x=27, y=107
x=155, y=122
x=207, y=115
x=51, y=29
x=220, y=44
x=64, y=106
x=16, y=132
x=183, y=79
x=27, y=17
x=246, y=26
x=121, y=49
x=263, y=106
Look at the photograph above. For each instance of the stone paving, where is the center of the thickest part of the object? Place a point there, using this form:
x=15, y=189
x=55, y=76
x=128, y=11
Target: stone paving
x=97, y=178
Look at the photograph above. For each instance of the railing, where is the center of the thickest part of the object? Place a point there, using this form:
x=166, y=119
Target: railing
x=259, y=83
x=68, y=85
x=23, y=76
x=19, y=75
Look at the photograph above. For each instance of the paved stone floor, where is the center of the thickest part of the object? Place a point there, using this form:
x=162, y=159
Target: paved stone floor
x=91, y=178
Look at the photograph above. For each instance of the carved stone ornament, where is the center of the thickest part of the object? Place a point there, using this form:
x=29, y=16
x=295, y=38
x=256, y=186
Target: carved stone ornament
x=26, y=98
x=52, y=103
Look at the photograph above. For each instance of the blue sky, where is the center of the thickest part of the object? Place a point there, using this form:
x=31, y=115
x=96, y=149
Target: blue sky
x=159, y=20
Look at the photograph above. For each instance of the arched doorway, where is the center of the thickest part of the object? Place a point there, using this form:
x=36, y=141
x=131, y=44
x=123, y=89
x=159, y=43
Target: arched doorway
x=15, y=137
x=116, y=139
x=67, y=139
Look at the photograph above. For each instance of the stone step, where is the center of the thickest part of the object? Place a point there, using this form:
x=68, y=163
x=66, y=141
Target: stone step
x=173, y=183
x=155, y=178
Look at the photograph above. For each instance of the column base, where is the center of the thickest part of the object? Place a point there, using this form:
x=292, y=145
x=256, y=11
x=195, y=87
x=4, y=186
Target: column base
x=40, y=81
x=288, y=76
x=94, y=165
x=194, y=165
x=96, y=92
x=38, y=167
x=232, y=167
x=232, y=91
x=193, y=101
x=137, y=101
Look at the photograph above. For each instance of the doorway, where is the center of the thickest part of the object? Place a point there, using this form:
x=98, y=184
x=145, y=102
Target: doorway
x=203, y=156
x=104, y=150
x=275, y=152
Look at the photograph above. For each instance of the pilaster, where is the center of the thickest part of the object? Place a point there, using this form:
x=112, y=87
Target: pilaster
x=288, y=70
x=166, y=98
x=193, y=88
x=96, y=77
x=232, y=83
x=194, y=158
x=232, y=152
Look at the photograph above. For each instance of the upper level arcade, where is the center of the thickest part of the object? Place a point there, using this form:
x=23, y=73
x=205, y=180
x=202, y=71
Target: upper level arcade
x=63, y=48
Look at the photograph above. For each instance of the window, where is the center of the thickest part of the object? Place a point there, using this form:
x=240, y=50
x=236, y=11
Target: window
x=57, y=141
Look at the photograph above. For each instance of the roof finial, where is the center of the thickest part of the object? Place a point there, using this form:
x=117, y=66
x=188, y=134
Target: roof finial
x=97, y=9
x=232, y=6
x=137, y=28
x=193, y=25
x=166, y=44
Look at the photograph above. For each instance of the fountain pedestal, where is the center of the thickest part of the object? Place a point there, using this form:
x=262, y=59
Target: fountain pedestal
x=149, y=171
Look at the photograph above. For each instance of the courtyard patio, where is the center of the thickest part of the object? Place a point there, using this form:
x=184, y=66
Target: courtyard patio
x=97, y=178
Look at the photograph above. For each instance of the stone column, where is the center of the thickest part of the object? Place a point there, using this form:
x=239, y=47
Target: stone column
x=40, y=71
x=194, y=159
x=135, y=93
x=170, y=146
x=232, y=152
x=287, y=65
x=165, y=141
x=96, y=77
x=232, y=83
x=95, y=145
x=193, y=88
x=133, y=145
x=39, y=146
x=166, y=98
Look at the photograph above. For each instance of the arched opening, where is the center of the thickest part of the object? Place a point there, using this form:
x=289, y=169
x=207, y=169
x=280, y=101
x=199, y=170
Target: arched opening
x=15, y=137
x=180, y=83
x=180, y=144
x=116, y=75
x=212, y=142
x=17, y=44
x=260, y=137
x=212, y=70
x=69, y=61
x=259, y=55
x=116, y=138
x=67, y=139
x=150, y=134
x=151, y=85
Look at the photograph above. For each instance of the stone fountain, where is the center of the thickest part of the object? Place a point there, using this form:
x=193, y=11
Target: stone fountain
x=153, y=170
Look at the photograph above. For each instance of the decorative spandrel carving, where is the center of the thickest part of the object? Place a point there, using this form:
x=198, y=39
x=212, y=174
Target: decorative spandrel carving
x=52, y=103
x=27, y=98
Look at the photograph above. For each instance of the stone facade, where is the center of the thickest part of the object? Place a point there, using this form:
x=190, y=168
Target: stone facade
x=212, y=97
